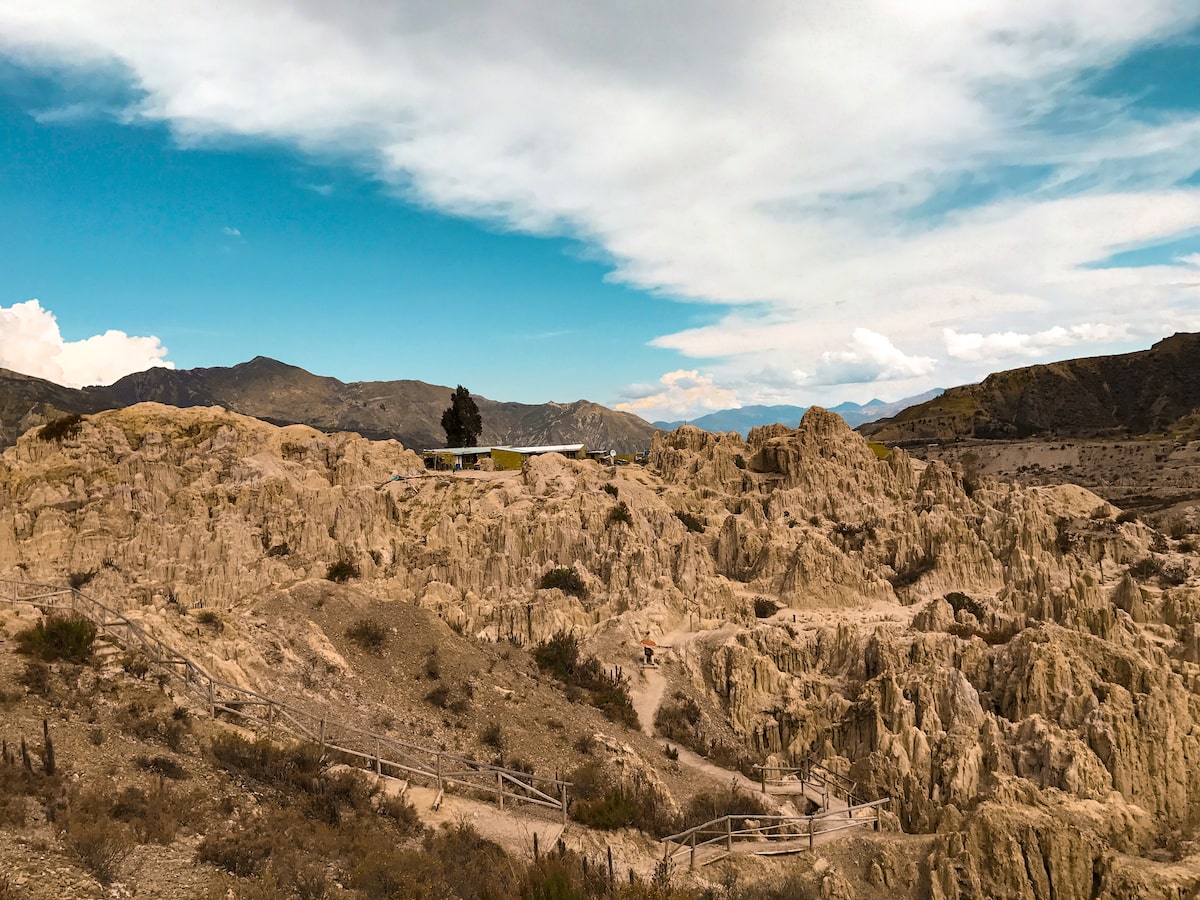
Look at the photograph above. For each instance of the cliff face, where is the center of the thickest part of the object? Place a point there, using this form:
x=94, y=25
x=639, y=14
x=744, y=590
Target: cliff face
x=980, y=656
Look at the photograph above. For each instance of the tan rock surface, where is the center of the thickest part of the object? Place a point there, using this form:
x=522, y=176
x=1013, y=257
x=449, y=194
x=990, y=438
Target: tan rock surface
x=978, y=651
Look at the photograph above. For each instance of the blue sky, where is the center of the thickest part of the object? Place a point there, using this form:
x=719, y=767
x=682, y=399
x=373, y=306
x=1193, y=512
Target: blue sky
x=771, y=204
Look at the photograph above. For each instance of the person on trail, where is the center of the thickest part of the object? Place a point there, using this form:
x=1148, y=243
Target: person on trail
x=648, y=649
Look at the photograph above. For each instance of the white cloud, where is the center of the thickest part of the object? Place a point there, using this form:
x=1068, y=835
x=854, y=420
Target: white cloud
x=1000, y=345
x=767, y=156
x=872, y=357
x=683, y=393
x=31, y=343
x=230, y=231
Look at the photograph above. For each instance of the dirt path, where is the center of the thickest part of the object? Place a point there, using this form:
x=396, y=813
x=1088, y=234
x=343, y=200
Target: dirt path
x=647, y=694
x=515, y=833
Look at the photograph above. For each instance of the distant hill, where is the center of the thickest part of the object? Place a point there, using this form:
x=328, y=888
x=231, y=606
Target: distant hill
x=1150, y=391
x=744, y=418
x=409, y=411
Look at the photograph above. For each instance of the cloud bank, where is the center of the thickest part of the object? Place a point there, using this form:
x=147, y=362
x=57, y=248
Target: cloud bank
x=31, y=343
x=946, y=174
x=678, y=393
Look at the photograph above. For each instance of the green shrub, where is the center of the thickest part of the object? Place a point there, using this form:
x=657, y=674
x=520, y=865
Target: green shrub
x=65, y=637
x=342, y=571
x=159, y=765
x=679, y=718
x=60, y=429
x=620, y=515
x=610, y=489
x=439, y=696
x=1174, y=574
x=277, y=550
x=604, y=803
x=739, y=461
x=708, y=805
x=566, y=579
x=210, y=619
x=368, y=634
x=243, y=852
x=765, y=607
x=1149, y=567
x=914, y=571
x=493, y=736
x=79, y=580
x=608, y=692
x=959, y=601
x=558, y=655
x=690, y=522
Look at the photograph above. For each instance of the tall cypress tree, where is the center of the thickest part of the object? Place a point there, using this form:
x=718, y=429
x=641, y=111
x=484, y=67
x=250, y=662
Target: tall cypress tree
x=461, y=420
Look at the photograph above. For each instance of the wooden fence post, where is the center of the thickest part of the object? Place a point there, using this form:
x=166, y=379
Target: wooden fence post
x=762, y=771
x=692, y=858
x=378, y=764
x=212, y=704
x=810, y=832
x=562, y=799
x=322, y=736
x=500, y=789
x=439, y=771
x=729, y=834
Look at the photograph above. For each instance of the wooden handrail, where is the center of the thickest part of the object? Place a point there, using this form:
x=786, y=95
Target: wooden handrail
x=815, y=817
x=234, y=699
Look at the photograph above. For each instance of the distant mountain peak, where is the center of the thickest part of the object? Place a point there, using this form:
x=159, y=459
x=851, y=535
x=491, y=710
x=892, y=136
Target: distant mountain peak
x=743, y=418
x=280, y=393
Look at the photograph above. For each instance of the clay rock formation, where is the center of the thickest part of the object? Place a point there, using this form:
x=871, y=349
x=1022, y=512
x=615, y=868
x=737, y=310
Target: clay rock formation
x=977, y=651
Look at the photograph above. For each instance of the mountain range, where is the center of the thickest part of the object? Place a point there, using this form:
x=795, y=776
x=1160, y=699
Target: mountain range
x=1155, y=391
x=275, y=392
x=744, y=418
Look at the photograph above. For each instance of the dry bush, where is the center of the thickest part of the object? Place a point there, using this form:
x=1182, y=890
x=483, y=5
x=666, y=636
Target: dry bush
x=148, y=723
x=368, y=634
x=156, y=813
x=36, y=678
x=93, y=837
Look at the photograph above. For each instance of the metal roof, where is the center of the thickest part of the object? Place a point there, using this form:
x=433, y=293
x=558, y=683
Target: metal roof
x=479, y=451
x=553, y=448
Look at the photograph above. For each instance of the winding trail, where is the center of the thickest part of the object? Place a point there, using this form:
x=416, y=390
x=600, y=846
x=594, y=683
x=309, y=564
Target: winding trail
x=647, y=695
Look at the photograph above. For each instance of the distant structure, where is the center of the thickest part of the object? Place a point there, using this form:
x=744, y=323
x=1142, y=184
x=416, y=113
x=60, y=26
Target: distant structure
x=502, y=457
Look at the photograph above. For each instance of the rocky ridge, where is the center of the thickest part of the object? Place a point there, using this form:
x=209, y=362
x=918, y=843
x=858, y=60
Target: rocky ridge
x=980, y=652
x=409, y=411
x=1155, y=391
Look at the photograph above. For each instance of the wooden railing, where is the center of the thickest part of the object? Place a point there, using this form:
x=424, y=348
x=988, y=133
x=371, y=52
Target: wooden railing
x=383, y=754
x=815, y=774
x=770, y=833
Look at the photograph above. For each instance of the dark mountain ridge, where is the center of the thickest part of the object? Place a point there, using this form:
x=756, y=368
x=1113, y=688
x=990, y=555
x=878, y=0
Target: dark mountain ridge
x=1155, y=391
x=282, y=394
